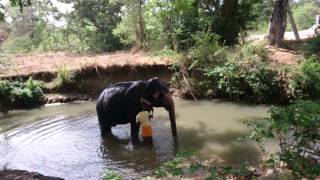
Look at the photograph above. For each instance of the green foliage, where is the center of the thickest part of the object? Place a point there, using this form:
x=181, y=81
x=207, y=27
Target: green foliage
x=223, y=172
x=311, y=47
x=111, y=175
x=297, y=127
x=97, y=24
x=305, y=14
x=175, y=24
x=194, y=166
x=305, y=82
x=22, y=44
x=65, y=76
x=14, y=94
x=20, y=3
x=244, y=76
x=86, y=31
x=165, y=52
x=206, y=52
x=172, y=167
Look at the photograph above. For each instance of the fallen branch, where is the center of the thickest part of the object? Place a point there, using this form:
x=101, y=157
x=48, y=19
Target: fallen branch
x=183, y=72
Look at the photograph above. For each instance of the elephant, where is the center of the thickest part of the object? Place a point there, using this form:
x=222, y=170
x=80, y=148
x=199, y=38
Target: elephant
x=121, y=102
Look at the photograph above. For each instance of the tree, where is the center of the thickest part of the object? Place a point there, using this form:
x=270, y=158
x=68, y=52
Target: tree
x=96, y=19
x=278, y=22
x=228, y=26
x=133, y=21
x=20, y=3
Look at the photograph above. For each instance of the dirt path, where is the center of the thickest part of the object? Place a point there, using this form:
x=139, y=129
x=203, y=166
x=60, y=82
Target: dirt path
x=278, y=56
x=289, y=36
x=49, y=62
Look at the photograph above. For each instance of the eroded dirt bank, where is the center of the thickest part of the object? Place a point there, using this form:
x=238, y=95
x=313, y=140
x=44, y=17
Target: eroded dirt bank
x=91, y=73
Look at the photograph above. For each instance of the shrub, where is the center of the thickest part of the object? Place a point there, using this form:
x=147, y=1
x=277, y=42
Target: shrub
x=305, y=82
x=18, y=44
x=312, y=46
x=297, y=127
x=65, y=76
x=15, y=94
x=206, y=52
x=108, y=174
x=245, y=76
x=233, y=172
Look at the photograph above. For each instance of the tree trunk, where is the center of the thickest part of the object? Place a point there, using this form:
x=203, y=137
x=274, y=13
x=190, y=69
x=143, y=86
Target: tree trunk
x=278, y=23
x=293, y=23
x=141, y=24
x=230, y=28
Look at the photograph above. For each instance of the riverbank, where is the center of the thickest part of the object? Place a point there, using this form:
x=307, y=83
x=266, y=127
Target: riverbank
x=9, y=174
x=90, y=74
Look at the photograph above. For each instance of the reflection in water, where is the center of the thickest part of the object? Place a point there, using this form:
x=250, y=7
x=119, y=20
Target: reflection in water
x=65, y=140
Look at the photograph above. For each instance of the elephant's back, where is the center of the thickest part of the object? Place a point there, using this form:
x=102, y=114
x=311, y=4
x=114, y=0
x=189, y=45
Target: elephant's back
x=111, y=102
x=112, y=96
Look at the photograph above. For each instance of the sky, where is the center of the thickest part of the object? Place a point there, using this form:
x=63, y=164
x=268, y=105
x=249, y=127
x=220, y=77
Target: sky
x=62, y=7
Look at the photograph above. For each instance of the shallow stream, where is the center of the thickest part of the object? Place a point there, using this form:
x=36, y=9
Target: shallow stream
x=64, y=140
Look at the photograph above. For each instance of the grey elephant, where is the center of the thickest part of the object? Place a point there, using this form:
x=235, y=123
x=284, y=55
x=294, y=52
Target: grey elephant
x=121, y=102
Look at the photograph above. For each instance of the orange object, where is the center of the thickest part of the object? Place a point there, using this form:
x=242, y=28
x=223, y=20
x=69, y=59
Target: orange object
x=146, y=131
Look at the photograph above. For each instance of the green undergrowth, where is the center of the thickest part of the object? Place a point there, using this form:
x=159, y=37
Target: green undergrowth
x=16, y=94
x=297, y=128
x=244, y=73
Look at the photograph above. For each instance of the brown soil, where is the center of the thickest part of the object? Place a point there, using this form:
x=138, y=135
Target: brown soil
x=25, y=64
x=283, y=56
x=95, y=72
x=24, y=175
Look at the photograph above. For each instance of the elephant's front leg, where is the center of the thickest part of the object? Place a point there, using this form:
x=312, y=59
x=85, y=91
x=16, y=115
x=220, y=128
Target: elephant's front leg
x=134, y=131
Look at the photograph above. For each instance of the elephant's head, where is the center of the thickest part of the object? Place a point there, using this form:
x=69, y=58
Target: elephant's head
x=159, y=96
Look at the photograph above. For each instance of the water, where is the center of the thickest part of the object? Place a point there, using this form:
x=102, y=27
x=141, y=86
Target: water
x=65, y=141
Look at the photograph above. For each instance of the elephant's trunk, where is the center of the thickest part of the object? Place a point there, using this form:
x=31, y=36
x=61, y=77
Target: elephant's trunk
x=172, y=115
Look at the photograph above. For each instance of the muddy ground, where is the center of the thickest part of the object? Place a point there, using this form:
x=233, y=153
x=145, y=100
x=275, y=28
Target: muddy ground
x=24, y=175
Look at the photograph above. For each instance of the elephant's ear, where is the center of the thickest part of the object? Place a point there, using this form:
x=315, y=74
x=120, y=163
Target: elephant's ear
x=135, y=91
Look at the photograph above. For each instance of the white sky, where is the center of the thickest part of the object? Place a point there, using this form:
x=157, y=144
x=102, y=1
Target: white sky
x=62, y=7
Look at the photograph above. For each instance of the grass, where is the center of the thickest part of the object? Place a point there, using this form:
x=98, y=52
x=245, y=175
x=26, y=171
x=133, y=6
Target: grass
x=65, y=76
x=111, y=175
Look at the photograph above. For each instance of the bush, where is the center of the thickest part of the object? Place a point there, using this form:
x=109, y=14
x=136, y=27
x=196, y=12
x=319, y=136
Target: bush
x=305, y=82
x=206, y=52
x=17, y=94
x=108, y=174
x=297, y=127
x=15, y=44
x=311, y=46
x=65, y=77
x=245, y=76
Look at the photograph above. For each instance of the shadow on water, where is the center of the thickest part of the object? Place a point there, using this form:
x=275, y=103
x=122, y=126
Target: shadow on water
x=225, y=145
